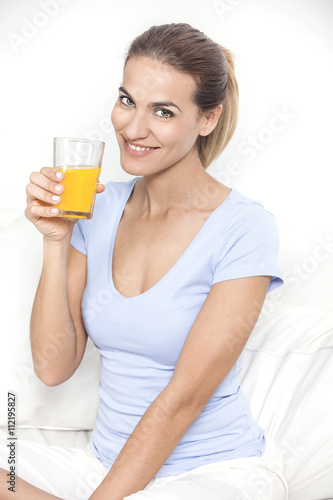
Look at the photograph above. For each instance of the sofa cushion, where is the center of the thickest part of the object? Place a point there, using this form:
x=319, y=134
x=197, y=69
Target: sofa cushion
x=72, y=405
x=288, y=377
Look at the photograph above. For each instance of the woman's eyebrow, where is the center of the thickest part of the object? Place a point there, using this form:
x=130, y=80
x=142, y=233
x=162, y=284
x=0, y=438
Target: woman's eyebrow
x=124, y=91
x=166, y=104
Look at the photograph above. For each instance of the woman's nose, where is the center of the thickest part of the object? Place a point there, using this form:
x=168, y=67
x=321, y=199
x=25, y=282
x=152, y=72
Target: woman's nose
x=138, y=126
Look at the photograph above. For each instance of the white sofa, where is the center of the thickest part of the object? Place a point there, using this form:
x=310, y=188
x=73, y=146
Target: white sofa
x=287, y=374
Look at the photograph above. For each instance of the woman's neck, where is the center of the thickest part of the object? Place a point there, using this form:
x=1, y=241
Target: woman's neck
x=178, y=187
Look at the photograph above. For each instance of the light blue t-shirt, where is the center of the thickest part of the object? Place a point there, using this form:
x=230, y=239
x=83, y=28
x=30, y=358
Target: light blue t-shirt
x=140, y=338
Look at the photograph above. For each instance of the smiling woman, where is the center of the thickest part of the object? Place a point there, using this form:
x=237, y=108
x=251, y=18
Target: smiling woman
x=159, y=123
x=190, y=52
x=186, y=264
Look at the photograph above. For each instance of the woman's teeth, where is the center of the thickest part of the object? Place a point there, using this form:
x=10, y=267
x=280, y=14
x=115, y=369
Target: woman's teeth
x=136, y=148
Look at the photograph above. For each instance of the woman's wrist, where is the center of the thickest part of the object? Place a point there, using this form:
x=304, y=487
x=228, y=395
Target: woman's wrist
x=59, y=243
x=55, y=252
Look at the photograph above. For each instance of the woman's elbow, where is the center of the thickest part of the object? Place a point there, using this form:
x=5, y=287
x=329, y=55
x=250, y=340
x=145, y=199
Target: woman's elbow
x=50, y=377
x=181, y=402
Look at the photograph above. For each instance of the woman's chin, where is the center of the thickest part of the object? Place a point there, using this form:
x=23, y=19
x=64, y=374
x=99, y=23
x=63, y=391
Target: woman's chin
x=132, y=169
x=136, y=167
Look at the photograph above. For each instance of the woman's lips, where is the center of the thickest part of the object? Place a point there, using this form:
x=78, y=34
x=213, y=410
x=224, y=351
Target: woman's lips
x=137, y=151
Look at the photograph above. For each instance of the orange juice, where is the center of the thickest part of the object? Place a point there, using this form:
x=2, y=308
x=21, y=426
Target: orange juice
x=78, y=197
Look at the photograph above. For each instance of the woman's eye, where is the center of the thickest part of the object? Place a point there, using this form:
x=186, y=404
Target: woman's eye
x=126, y=100
x=164, y=113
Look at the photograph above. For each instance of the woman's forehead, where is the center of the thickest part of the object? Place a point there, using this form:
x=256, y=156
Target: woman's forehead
x=145, y=78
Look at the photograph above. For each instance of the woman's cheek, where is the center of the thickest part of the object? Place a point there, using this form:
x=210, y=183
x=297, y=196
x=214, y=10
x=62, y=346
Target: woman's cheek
x=117, y=117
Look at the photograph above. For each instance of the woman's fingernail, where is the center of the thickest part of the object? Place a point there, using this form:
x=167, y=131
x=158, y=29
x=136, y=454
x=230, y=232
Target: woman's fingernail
x=58, y=188
x=55, y=198
x=59, y=174
x=54, y=210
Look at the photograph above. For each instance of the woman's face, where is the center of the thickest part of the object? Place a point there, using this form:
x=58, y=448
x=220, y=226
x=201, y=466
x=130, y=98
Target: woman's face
x=155, y=119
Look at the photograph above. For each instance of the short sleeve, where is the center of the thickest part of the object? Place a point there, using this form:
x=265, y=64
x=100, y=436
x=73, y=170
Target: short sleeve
x=249, y=247
x=79, y=237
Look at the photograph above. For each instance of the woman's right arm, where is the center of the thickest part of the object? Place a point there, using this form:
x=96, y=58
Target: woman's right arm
x=58, y=336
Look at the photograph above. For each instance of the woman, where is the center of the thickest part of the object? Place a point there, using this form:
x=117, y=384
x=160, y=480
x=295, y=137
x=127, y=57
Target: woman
x=185, y=264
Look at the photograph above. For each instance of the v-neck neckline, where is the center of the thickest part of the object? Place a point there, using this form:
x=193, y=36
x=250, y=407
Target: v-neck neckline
x=175, y=265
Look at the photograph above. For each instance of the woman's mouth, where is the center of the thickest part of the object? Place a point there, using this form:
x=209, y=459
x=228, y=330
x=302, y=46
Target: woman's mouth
x=137, y=150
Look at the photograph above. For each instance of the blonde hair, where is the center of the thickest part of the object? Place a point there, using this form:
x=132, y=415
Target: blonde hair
x=191, y=51
x=212, y=145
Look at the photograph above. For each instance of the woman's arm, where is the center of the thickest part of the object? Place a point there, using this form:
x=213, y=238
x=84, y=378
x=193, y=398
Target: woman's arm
x=58, y=336
x=56, y=345
x=212, y=347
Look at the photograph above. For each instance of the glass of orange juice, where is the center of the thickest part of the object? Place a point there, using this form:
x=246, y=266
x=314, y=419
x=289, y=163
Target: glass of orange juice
x=81, y=161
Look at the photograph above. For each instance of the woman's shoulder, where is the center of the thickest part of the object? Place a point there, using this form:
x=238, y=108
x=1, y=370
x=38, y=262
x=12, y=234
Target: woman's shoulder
x=108, y=205
x=246, y=215
x=115, y=192
x=239, y=199
x=247, y=208
x=119, y=188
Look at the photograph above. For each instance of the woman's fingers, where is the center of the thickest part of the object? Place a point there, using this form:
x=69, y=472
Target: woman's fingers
x=37, y=209
x=35, y=192
x=46, y=180
x=44, y=190
x=100, y=188
x=53, y=173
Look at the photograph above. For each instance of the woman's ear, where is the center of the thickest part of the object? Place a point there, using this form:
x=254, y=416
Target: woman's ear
x=212, y=117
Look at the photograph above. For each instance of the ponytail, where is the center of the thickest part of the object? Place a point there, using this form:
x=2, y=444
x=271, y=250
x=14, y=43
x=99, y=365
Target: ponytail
x=211, y=146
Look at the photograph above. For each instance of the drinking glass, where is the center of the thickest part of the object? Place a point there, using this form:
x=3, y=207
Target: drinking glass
x=81, y=161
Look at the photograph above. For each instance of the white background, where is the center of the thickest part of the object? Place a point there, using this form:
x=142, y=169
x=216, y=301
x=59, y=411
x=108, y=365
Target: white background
x=61, y=65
